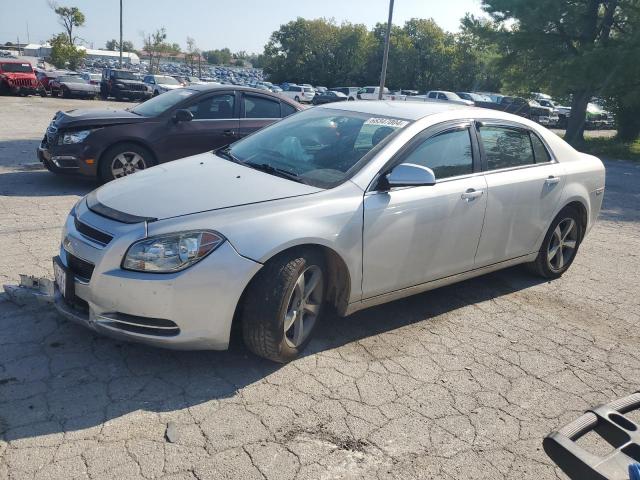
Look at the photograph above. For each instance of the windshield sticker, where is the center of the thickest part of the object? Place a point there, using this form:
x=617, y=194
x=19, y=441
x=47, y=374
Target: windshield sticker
x=386, y=122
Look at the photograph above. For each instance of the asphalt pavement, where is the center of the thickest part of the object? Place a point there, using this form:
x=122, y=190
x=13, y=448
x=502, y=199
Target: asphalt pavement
x=461, y=382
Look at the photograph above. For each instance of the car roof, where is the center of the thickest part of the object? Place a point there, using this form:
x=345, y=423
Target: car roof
x=213, y=87
x=407, y=110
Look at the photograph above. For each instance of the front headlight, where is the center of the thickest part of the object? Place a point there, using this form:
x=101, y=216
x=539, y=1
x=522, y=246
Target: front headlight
x=172, y=252
x=74, y=137
x=120, y=85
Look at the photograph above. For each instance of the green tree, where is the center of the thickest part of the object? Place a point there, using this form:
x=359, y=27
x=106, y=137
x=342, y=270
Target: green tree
x=64, y=54
x=154, y=46
x=69, y=18
x=218, y=57
x=569, y=47
x=114, y=46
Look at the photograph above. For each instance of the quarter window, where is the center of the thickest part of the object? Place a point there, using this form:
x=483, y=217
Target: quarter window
x=506, y=147
x=216, y=107
x=448, y=154
x=539, y=150
x=258, y=107
x=287, y=110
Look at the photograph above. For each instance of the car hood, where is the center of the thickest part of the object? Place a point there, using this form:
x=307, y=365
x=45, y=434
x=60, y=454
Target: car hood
x=195, y=184
x=169, y=87
x=92, y=117
x=18, y=75
x=83, y=87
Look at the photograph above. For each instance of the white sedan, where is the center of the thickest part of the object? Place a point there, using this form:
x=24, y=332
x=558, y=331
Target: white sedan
x=347, y=205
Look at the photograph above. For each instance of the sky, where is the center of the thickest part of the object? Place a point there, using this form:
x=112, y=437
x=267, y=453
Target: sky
x=238, y=24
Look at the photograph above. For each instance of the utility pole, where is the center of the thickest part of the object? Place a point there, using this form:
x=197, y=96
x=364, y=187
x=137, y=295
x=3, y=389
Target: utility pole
x=120, y=33
x=385, y=58
x=28, y=37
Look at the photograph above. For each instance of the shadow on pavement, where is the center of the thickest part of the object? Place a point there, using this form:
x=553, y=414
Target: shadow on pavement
x=26, y=181
x=58, y=377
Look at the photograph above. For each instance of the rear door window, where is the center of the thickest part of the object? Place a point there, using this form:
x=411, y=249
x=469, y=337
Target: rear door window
x=506, y=147
x=260, y=107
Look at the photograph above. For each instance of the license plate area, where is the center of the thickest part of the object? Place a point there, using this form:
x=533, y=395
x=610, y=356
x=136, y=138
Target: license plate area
x=64, y=279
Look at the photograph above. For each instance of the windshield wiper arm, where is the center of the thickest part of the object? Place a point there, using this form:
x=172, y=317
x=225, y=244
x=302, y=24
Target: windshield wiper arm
x=280, y=172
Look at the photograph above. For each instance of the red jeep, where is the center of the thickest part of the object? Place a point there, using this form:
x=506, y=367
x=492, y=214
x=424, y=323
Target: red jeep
x=17, y=77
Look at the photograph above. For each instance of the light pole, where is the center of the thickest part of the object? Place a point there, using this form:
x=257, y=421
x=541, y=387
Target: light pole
x=385, y=57
x=120, y=33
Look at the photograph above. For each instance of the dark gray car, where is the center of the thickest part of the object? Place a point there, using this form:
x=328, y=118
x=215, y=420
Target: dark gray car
x=179, y=123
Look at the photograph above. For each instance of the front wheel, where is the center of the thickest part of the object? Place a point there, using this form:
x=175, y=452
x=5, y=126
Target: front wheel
x=283, y=305
x=560, y=245
x=124, y=159
x=297, y=99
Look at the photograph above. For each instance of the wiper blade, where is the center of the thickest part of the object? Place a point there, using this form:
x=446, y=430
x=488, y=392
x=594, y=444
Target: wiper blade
x=280, y=172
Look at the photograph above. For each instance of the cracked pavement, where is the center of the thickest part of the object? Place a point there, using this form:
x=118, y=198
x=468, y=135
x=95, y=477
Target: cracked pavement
x=461, y=382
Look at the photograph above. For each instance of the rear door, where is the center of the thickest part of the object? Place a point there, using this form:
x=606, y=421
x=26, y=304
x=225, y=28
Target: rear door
x=258, y=111
x=525, y=187
x=215, y=124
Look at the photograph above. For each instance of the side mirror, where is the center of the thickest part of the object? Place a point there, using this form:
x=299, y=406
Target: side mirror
x=182, y=115
x=409, y=175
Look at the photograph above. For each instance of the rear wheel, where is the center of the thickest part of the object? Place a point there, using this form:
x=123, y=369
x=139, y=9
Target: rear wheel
x=124, y=159
x=297, y=99
x=560, y=245
x=283, y=305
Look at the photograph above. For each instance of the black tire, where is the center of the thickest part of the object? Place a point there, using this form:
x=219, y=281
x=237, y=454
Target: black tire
x=4, y=88
x=105, y=173
x=267, y=300
x=542, y=265
x=297, y=99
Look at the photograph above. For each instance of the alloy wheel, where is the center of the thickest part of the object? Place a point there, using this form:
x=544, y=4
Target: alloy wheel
x=126, y=163
x=562, y=244
x=304, y=306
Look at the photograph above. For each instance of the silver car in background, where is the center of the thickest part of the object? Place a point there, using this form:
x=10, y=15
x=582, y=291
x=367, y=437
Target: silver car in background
x=348, y=206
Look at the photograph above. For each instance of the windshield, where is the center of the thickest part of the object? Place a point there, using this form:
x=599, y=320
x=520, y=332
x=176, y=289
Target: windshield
x=16, y=67
x=124, y=75
x=160, y=104
x=71, y=79
x=320, y=146
x=166, y=80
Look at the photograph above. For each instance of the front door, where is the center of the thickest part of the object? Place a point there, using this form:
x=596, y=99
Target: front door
x=413, y=235
x=215, y=124
x=524, y=190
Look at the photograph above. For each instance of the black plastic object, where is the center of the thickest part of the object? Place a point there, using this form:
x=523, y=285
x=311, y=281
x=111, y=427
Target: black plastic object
x=609, y=422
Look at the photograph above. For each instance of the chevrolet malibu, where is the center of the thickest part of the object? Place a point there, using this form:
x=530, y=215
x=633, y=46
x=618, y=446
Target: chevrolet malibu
x=344, y=207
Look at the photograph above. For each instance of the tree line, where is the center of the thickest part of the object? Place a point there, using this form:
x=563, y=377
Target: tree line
x=574, y=49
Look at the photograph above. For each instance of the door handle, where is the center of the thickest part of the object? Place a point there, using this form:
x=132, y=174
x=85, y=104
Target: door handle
x=471, y=194
x=551, y=180
x=228, y=133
